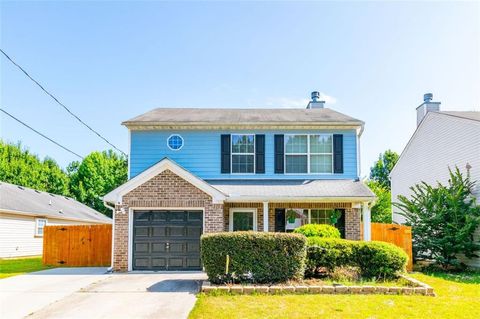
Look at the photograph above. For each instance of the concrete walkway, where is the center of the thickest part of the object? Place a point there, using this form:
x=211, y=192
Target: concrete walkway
x=133, y=295
x=25, y=294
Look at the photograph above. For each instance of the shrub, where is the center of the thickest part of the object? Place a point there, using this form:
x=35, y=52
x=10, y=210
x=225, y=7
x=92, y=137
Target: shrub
x=318, y=230
x=375, y=259
x=253, y=257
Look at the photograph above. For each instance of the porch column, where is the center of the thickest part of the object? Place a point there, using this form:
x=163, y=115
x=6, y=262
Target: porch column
x=265, y=216
x=367, y=230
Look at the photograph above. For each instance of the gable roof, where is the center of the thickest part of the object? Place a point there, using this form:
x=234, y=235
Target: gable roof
x=217, y=116
x=471, y=115
x=115, y=196
x=468, y=115
x=27, y=201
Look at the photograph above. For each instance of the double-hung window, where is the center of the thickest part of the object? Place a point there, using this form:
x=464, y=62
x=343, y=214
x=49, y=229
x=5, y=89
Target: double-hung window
x=40, y=224
x=306, y=154
x=243, y=153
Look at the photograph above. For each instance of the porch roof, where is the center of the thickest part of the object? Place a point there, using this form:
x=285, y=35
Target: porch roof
x=293, y=190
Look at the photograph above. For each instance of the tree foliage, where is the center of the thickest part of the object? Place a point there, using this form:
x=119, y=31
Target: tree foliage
x=443, y=219
x=87, y=181
x=382, y=210
x=95, y=176
x=18, y=166
x=382, y=168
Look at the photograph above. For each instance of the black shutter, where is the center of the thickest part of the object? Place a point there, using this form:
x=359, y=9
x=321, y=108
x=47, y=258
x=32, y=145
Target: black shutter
x=260, y=154
x=338, y=153
x=279, y=150
x=225, y=150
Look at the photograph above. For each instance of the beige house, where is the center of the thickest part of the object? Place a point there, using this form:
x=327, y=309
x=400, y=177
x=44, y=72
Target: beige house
x=24, y=212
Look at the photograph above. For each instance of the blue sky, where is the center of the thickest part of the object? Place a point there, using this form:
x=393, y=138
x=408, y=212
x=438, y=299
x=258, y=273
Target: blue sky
x=110, y=61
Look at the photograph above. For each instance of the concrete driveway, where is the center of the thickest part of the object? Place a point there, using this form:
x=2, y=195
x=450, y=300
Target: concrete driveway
x=99, y=295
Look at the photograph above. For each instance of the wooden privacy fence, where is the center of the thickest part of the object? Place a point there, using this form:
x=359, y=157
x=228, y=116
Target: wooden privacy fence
x=77, y=246
x=399, y=235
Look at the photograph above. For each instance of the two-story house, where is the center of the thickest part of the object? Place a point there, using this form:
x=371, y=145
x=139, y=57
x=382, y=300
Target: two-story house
x=442, y=140
x=194, y=171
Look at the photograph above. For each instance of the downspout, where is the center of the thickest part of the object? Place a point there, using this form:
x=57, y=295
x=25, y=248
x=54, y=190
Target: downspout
x=113, y=232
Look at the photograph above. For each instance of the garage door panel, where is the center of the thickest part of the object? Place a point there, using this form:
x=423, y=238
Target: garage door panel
x=193, y=247
x=159, y=231
x=194, y=231
x=159, y=216
x=176, y=231
x=142, y=247
x=167, y=240
x=159, y=247
x=195, y=216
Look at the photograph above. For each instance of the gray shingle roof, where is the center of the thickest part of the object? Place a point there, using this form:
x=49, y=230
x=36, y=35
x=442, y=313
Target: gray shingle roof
x=293, y=188
x=27, y=200
x=207, y=116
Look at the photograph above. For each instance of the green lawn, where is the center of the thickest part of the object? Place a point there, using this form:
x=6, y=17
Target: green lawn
x=458, y=296
x=18, y=266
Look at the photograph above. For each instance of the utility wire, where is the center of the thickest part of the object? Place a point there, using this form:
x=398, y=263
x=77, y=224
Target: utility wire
x=43, y=135
x=60, y=103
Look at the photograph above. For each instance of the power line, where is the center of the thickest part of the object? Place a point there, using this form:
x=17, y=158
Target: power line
x=60, y=103
x=43, y=135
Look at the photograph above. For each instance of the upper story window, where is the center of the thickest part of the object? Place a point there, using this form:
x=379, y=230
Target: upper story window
x=243, y=153
x=175, y=142
x=40, y=224
x=306, y=154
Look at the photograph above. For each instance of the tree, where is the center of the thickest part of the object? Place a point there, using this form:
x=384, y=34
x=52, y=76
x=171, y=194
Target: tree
x=95, y=176
x=382, y=210
x=18, y=166
x=443, y=219
x=382, y=168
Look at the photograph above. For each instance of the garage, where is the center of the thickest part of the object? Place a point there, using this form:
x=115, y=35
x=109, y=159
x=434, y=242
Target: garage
x=167, y=239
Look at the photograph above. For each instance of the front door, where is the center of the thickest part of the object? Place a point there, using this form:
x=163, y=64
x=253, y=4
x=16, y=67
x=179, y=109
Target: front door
x=280, y=220
x=166, y=240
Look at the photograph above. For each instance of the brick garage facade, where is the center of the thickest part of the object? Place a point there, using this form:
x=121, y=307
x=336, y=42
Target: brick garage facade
x=164, y=190
x=167, y=190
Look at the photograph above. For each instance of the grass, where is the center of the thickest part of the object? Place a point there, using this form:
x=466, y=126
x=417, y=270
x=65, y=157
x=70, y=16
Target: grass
x=457, y=297
x=18, y=266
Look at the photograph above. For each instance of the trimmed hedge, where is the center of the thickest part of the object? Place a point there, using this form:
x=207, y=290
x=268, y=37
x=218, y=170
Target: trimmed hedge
x=375, y=259
x=254, y=257
x=318, y=230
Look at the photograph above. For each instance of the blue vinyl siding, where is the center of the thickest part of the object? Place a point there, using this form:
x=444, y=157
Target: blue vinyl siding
x=200, y=153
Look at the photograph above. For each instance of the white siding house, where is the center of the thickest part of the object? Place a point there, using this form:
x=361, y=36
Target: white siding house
x=24, y=212
x=441, y=141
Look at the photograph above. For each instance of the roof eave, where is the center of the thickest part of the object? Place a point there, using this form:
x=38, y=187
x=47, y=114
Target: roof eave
x=295, y=199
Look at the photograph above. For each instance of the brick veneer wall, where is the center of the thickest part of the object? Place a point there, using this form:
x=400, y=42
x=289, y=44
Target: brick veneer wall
x=164, y=190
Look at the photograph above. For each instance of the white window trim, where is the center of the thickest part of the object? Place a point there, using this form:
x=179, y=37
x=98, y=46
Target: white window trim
x=242, y=210
x=36, y=226
x=178, y=149
x=308, y=154
x=231, y=154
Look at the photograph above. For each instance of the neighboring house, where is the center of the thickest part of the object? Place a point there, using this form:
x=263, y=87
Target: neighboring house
x=442, y=140
x=24, y=212
x=195, y=171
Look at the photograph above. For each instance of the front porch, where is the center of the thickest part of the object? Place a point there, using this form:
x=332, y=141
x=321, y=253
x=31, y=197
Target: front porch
x=286, y=216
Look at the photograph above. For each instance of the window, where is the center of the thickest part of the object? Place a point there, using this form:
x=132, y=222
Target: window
x=243, y=219
x=39, y=225
x=175, y=142
x=320, y=216
x=309, y=154
x=243, y=153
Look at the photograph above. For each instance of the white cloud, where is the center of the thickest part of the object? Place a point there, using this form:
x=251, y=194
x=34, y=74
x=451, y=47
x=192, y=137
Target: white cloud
x=286, y=102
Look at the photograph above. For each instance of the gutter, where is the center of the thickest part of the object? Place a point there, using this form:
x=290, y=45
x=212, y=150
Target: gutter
x=110, y=269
